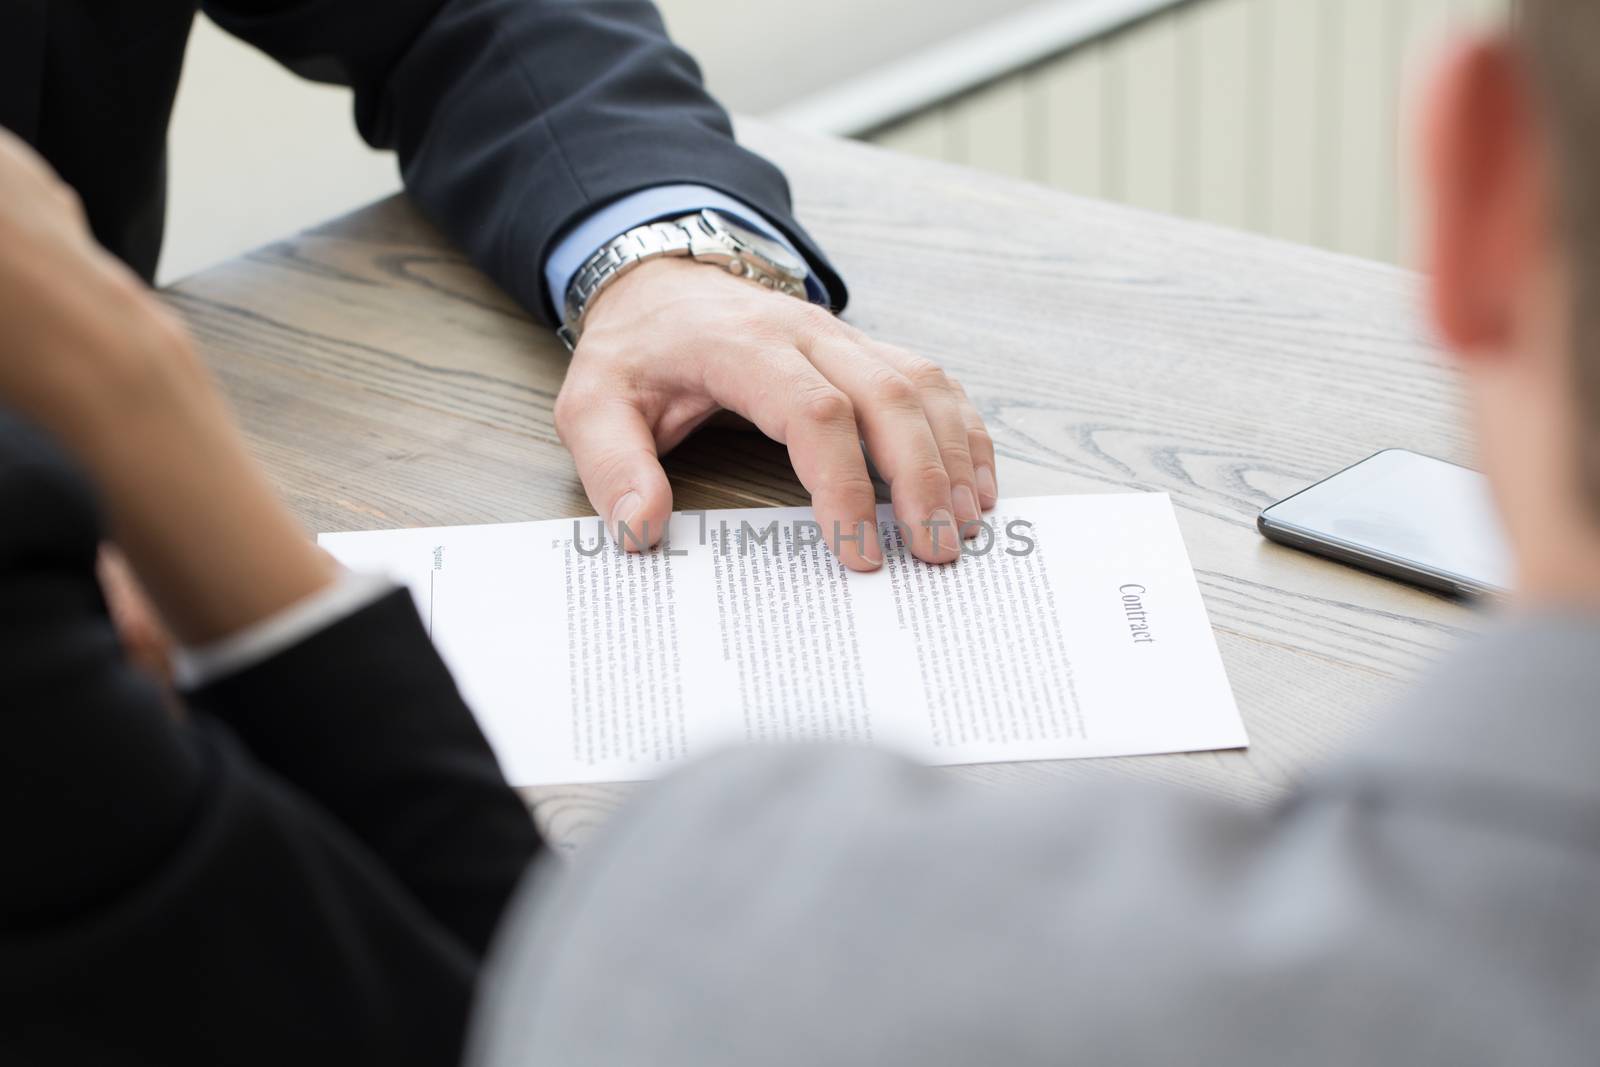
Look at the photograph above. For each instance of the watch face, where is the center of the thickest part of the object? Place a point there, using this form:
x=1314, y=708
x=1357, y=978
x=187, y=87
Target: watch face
x=780, y=257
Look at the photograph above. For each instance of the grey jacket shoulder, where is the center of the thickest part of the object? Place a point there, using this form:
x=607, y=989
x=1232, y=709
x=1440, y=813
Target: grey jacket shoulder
x=1426, y=899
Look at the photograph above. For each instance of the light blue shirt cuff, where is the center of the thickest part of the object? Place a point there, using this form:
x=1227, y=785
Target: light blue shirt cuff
x=646, y=206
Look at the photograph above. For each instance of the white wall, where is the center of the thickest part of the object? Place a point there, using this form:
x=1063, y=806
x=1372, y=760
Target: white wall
x=1289, y=117
x=256, y=153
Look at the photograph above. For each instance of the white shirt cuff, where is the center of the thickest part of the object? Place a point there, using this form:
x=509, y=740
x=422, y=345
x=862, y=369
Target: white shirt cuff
x=349, y=593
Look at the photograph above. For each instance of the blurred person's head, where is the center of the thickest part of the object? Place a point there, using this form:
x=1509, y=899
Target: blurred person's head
x=1512, y=162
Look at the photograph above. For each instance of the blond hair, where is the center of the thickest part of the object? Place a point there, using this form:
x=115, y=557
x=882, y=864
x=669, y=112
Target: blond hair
x=1559, y=37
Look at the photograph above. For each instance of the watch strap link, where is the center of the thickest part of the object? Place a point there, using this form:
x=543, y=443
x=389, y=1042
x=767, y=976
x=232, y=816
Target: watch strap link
x=617, y=256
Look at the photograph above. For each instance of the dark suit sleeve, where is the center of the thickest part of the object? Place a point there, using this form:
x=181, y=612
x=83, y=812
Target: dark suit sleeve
x=514, y=119
x=169, y=895
x=365, y=718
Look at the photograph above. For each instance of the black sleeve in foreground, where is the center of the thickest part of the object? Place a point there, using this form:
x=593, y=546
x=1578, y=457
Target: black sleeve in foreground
x=515, y=119
x=364, y=718
x=164, y=898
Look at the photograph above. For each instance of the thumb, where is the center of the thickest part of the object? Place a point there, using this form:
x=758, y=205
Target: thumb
x=615, y=453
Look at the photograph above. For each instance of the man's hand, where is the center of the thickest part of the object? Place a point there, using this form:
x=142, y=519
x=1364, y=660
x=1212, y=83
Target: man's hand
x=144, y=638
x=77, y=329
x=88, y=353
x=674, y=341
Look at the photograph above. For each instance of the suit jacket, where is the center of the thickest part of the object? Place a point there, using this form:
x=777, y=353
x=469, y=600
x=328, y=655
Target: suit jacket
x=1431, y=898
x=512, y=119
x=306, y=868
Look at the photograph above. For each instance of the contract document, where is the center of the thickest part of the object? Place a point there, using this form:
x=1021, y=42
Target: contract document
x=1071, y=627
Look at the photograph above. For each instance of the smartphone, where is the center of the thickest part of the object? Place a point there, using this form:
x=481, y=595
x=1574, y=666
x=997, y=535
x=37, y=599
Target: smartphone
x=1403, y=515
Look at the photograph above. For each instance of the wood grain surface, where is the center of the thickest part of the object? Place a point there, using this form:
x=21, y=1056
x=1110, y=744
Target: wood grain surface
x=384, y=382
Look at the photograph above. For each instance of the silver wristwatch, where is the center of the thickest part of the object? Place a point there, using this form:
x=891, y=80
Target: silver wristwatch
x=709, y=236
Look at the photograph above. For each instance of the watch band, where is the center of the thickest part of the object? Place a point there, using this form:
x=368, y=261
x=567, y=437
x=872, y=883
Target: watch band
x=688, y=235
x=620, y=254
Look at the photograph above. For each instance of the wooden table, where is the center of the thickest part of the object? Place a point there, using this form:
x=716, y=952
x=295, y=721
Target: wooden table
x=384, y=382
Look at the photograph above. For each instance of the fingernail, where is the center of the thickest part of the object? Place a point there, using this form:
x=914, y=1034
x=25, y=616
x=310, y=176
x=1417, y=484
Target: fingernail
x=943, y=527
x=623, y=512
x=966, y=505
x=987, y=490
x=872, y=551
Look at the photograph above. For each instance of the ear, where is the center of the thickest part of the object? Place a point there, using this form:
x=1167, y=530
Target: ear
x=1486, y=172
